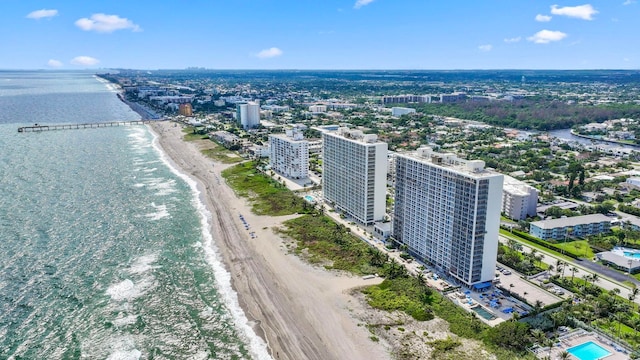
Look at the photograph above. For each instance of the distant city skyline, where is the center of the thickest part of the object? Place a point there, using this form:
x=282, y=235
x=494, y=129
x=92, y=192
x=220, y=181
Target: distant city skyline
x=319, y=35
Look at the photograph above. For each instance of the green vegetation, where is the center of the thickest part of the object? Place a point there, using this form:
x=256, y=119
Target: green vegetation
x=192, y=133
x=445, y=349
x=526, y=263
x=536, y=114
x=222, y=155
x=579, y=248
x=267, y=196
x=407, y=294
x=629, y=209
x=534, y=245
x=327, y=242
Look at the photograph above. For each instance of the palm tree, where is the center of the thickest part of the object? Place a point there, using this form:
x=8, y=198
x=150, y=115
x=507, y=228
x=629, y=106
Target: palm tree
x=539, y=336
x=537, y=307
x=635, y=323
x=634, y=292
x=594, y=278
x=574, y=270
x=585, y=277
x=550, y=343
x=560, y=266
x=564, y=355
x=619, y=316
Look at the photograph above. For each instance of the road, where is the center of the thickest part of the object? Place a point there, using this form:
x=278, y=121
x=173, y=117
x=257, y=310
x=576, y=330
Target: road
x=603, y=282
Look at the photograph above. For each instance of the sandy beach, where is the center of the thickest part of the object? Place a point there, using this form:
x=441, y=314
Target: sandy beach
x=302, y=312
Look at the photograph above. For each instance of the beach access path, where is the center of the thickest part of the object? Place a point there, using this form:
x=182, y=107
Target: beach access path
x=301, y=311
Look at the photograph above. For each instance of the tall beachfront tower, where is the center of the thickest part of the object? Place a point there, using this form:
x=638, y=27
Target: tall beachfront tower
x=289, y=154
x=447, y=213
x=248, y=114
x=354, y=174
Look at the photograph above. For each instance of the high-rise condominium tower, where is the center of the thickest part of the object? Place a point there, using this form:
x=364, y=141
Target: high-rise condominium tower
x=447, y=213
x=354, y=174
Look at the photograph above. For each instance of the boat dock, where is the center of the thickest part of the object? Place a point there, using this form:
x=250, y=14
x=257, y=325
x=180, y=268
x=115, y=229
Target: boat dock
x=38, y=128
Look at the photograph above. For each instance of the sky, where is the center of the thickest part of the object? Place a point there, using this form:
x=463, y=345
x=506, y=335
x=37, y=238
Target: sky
x=320, y=34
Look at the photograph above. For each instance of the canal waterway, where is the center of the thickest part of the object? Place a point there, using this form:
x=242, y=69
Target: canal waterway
x=566, y=134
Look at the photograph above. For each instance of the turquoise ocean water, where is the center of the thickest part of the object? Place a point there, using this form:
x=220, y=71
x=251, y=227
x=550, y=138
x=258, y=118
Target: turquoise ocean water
x=103, y=253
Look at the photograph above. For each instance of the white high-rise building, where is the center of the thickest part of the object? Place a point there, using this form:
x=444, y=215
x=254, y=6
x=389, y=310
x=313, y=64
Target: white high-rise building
x=447, y=213
x=248, y=114
x=289, y=154
x=519, y=199
x=354, y=174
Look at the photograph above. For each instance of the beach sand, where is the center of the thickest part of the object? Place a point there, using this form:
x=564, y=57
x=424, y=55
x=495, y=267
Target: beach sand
x=301, y=311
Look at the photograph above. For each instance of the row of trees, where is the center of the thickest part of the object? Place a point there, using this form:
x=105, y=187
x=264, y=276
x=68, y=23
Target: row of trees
x=532, y=114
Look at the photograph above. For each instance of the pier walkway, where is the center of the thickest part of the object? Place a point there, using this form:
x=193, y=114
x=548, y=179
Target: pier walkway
x=47, y=127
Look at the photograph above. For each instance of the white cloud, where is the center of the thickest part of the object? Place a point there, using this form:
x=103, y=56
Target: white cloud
x=547, y=36
x=269, y=53
x=629, y=2
x=104, y=23
x=361, y=3
x=54, y=63
x=543, y=18
x=513, y=40
x=44, y=13
x=486, y=47
x=84, y=60
x=584, y=12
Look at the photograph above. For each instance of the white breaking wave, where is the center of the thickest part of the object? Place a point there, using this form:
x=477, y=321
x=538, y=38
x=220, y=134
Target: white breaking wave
x=162, y=186
x=143, y=264
x=160, y=213
x=125, y=355
x=124, y=348
x=257, y=346
x=128, y=290
x=124, y=290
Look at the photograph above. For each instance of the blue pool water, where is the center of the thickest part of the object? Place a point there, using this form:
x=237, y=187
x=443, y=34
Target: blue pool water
x=633, y=255
x=310, y=198
x=484, y=313
x=588, y=351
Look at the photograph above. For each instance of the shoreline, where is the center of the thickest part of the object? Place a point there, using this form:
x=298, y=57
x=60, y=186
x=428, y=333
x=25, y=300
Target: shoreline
x=300, y=311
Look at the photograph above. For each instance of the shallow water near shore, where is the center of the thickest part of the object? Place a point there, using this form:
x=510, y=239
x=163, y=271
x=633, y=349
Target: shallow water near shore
x=104, y=254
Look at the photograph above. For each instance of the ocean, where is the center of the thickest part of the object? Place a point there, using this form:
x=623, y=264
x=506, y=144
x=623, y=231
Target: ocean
x=105, y=249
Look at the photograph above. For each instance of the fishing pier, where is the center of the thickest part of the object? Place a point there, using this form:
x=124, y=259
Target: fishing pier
x=47, y=127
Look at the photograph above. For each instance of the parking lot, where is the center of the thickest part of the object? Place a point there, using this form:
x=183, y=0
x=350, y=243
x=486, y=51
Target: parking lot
x=524, y=288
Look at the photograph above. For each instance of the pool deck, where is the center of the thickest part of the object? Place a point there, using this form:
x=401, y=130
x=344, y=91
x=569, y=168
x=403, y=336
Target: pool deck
x=578, y=337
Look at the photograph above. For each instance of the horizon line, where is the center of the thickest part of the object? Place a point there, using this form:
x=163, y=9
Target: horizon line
x=294, y=69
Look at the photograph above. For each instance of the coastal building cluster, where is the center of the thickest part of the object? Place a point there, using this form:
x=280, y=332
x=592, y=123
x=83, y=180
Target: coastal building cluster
x=358, y=176
x=451, y=193
x=446, y=210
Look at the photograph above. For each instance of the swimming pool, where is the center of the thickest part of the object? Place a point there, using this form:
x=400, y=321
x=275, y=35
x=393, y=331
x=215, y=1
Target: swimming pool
x=484, y=313
x=588, y=351
x=626, y=252
x=309, y=198
x=633, y=255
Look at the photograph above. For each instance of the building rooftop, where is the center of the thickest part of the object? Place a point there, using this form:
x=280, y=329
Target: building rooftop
x=619, y=259
x=516, y=187
x=355, y=135
x=571, y=221
x=474, y=168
